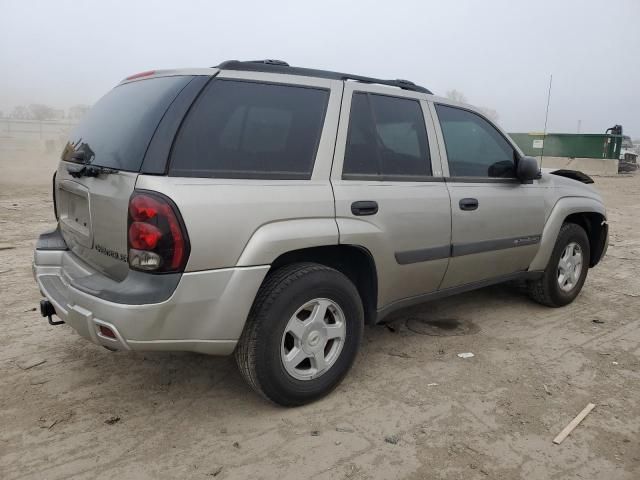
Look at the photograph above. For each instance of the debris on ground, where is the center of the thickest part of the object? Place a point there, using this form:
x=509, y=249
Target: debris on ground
x=573, y=424
x=50, y=423
x=597, y=320
x=315, y=433
x=466, y=355
x=236, y=444
x=344, y=428
x=546, y=389
x=399, y=354
x=432, y=384
x=30, y=363
x=215, y=472
x=390, y=328
x=38, y=382
x=112, y=420
x=392, y=439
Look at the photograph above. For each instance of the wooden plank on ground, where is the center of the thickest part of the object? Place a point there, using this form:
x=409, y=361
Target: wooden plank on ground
x=573, y=424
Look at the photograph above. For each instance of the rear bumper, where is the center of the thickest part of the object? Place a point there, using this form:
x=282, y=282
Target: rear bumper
x=205, y=313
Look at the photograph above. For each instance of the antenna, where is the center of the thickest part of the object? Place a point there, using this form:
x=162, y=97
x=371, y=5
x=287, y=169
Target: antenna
x=546, y=117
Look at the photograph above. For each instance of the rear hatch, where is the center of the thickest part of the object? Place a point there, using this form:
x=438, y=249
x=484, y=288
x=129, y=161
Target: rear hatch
x=100, y=164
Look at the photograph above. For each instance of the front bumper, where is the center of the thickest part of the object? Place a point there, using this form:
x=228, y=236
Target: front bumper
x=205, y=313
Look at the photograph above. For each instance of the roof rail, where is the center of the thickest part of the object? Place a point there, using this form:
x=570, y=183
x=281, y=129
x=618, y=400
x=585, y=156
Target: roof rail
x=279, y=66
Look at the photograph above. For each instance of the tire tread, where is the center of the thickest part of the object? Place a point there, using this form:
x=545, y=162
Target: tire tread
x=540, y=290
x=275, y=284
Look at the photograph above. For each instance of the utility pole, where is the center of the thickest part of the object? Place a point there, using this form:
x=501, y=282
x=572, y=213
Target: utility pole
x=546, y=117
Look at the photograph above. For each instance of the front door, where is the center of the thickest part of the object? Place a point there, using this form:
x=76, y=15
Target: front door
x=497, y=221
x=389, y=192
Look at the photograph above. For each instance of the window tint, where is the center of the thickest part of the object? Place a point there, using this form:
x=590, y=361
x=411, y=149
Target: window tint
x=239, y=129
x=474, y=147
x=387, y=138
x=117, y=130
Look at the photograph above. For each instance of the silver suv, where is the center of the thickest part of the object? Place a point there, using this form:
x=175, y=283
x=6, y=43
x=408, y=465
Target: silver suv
x=270, y=211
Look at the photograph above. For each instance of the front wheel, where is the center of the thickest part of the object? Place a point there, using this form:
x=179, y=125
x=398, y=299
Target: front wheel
x=302, y=334
x=566, y=271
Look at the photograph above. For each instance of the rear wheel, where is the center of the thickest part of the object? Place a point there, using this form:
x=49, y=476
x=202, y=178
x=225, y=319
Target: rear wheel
x=566, y=271
x=302, y=334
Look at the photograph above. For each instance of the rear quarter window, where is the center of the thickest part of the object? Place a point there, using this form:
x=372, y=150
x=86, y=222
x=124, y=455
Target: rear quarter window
x=242, y=129
x=117, y=130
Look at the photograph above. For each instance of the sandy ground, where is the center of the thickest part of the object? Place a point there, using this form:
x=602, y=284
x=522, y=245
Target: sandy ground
x=410, y=408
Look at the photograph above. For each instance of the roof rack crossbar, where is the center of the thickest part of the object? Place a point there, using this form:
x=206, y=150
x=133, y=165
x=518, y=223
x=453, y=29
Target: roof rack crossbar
x=279, y=66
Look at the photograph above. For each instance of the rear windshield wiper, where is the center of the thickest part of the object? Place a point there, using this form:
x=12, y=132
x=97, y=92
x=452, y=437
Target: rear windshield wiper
x=83, y=170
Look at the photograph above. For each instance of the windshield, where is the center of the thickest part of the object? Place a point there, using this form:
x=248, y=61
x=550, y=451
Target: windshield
x=117, y=130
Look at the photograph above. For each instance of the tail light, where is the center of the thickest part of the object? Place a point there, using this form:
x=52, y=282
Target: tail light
x=157, y=239
x=55, y=203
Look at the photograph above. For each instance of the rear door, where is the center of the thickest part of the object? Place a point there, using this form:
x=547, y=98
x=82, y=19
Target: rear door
x=497, y=221
x=389, y=193
x=115, y=134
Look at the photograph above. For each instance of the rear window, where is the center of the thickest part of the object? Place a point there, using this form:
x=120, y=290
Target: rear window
x=117, y=130
x=241, y=129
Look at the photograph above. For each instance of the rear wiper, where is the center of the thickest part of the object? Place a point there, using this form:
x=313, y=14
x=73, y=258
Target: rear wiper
x=83, y=170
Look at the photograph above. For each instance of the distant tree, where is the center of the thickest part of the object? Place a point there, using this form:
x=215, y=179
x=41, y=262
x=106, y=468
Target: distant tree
x=490, y=113
x=77, y=111
x=457, y=96
x=20, y=113
x=38, y=111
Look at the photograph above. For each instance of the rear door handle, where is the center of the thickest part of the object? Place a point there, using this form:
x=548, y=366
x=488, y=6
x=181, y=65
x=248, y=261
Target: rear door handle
x=364, y=207
x=469, y=204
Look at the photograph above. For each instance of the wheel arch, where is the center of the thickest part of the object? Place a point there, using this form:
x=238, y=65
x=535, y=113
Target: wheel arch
x=594, y=224
x=354, y=261
x=587, y=212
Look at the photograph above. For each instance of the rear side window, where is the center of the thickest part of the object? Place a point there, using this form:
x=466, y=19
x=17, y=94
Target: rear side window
x=387, y=138
x=475, y=148
x=240, y=129
x=117, y=130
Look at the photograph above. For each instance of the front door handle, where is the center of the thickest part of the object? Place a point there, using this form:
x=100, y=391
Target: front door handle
x=469, y=204
x=364, y=207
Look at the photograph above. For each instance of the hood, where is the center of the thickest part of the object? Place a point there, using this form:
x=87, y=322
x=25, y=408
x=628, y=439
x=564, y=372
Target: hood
x=570, y=182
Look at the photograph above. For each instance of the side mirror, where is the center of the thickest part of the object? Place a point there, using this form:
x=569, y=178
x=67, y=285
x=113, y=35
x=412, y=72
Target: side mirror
x=527, y=169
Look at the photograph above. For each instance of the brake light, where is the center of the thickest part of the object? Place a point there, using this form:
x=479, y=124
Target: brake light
x=148, y=73
x=55, y=203
x=157, y=239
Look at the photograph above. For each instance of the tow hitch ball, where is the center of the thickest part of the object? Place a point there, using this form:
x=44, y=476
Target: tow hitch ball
x=47, y=310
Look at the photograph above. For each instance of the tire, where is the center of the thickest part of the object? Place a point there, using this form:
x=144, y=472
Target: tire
x=287, y=295
x=547, y=289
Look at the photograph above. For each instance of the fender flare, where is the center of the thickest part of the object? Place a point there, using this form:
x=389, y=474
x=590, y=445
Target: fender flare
x=560, y=211
x=271, y=240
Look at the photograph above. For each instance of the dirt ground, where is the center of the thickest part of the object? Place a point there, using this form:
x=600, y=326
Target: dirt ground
x=410, y=408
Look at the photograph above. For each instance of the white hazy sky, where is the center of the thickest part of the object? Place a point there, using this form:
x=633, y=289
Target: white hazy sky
x=499, y=53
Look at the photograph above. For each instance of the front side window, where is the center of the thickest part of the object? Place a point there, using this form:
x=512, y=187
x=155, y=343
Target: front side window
x=475, y=148
x=240, y=129
x=387, y=138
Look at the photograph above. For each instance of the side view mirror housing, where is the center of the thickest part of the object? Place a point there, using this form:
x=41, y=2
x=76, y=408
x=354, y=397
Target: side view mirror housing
x=527, y=169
